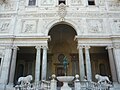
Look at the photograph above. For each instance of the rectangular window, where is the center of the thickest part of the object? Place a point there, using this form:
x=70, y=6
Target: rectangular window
x=91, y=2
x=32, y=2
x=0, y=60
x=61, y=1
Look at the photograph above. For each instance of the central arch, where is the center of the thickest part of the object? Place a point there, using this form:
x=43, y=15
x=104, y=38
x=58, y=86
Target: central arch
x=62, y=44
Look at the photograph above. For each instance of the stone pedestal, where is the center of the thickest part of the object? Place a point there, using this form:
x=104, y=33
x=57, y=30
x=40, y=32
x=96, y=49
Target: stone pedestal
x=65, y=86
x=65, y=80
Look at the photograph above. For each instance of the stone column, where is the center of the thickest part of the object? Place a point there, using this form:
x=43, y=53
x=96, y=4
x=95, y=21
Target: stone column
x=116, y=51
x=44, y=63
x=112, y=63
x=13, y=65
x=88, y=64
x=38, y=63
x=6, y=65
x=81, y=63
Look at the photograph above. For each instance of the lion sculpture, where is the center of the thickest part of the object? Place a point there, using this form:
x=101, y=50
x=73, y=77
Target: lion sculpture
x=25, y=80
x=102, y=79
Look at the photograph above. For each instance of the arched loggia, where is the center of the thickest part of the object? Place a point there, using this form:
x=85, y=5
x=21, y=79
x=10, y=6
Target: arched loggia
x=62, y=44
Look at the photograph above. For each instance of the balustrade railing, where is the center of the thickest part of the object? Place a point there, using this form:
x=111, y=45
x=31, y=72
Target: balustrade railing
x=52, y=85
x=41, y=85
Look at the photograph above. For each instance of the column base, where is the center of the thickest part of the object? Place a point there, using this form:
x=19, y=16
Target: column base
x=10, y=87
x=65, y=86
x=2, y=86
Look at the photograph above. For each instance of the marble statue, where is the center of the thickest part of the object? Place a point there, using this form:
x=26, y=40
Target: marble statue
x=25, y=80
x=102, y=79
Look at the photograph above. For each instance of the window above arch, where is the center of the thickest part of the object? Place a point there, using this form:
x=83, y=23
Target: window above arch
x=32, y=2
x=61, y=1
x=91, y=2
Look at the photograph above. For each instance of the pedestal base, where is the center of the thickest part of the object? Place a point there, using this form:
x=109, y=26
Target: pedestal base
x=65, y=86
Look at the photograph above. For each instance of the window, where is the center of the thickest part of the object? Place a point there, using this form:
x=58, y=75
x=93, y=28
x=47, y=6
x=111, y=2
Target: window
x=0, y=60
x=61, y=1
x=91, y=2
x=32, y=2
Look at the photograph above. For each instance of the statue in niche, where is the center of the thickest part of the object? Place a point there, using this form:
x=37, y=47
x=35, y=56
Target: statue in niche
x=47, y=1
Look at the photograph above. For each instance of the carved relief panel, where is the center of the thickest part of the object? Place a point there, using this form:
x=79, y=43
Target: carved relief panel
x=114, y=6
x=29, y=26
x=101, y=2
x=94, y=25
x=47, y=2
x=9, y=6
x=4, y=26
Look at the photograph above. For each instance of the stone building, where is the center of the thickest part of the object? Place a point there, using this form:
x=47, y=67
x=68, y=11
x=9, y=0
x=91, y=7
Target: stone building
x=35, y=35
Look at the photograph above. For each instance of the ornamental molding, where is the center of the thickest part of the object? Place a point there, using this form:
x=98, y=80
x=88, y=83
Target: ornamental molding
x=70, y=14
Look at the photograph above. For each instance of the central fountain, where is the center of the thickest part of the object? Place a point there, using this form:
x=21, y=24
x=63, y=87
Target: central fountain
x=65, y=79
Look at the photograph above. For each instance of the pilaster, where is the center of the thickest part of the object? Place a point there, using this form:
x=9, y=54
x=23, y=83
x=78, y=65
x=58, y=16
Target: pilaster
x=112, y=63
x=13, y=65
x=6, y=65
x=116, y=50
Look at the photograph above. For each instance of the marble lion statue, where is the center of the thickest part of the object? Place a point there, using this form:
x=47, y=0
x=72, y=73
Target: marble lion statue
x=101, y=79
x=25, y=80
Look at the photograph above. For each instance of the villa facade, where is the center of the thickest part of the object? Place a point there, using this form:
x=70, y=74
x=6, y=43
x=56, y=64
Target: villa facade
x=36, y=35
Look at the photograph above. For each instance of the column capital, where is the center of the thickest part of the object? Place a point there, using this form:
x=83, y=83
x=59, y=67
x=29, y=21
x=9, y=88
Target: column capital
x=15, y=47
x=80, y=46
x=38, y=47
x=87, y=47
x=44, y=47
x=109, y=47
x=116, y=46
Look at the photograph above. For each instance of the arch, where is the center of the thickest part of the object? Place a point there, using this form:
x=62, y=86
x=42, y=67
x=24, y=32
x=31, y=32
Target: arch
x=67, y=22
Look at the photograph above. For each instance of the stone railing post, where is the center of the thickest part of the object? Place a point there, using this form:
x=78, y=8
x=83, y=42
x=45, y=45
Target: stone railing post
x=53, y=85
x=77, y=83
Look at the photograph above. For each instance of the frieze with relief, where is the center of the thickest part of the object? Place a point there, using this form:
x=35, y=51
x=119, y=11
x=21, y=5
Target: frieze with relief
x=11, y=6
x=95, y=25
x=101, y=2
x=75, y=2
x=4, y=26
x=29, y=26
x=116, y=23
x=47, y=2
